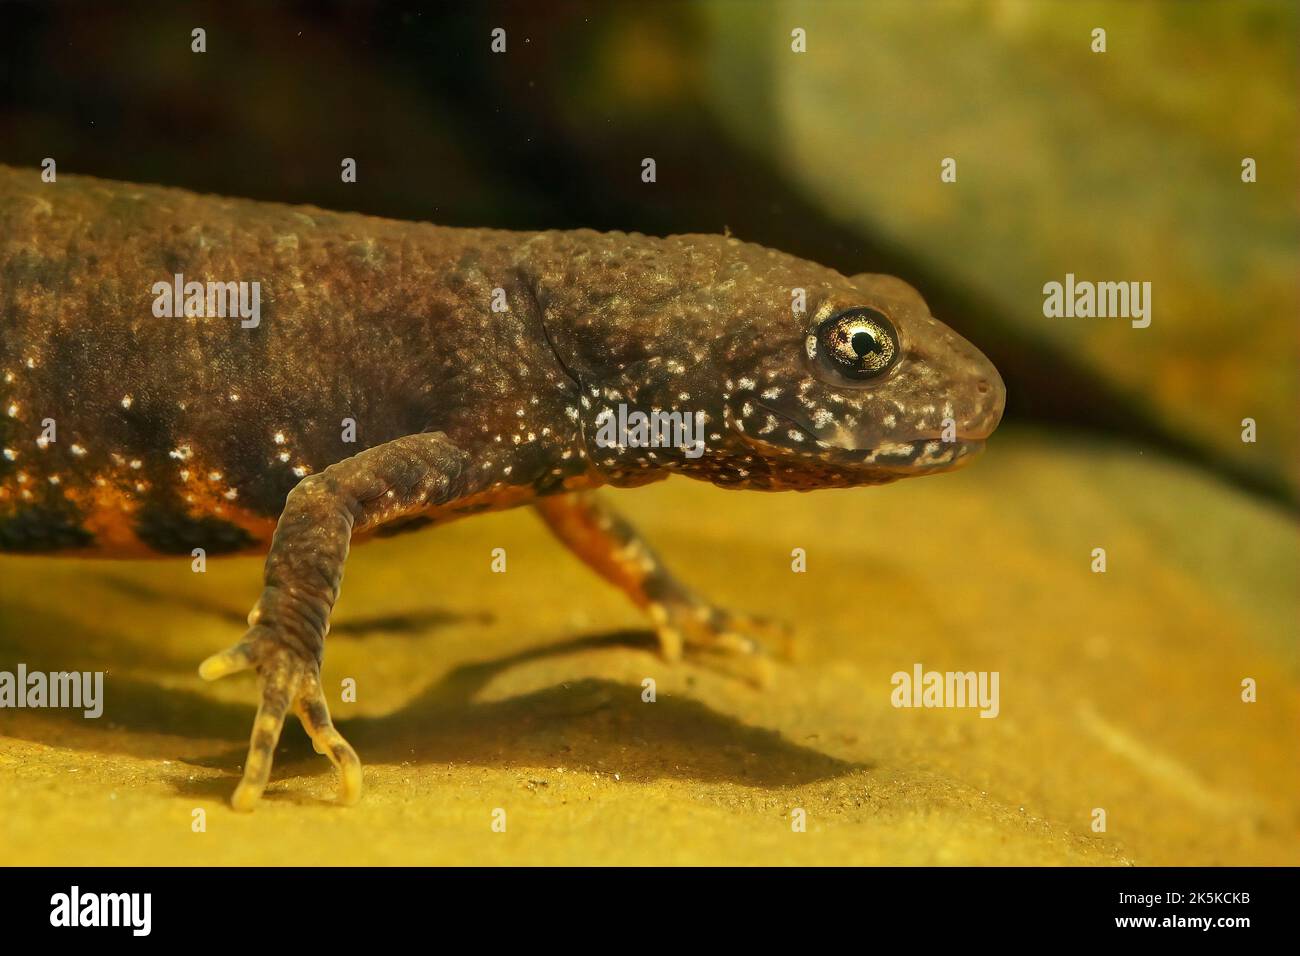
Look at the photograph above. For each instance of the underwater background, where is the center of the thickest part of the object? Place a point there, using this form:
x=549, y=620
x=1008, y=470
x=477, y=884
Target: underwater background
x=1120, y=690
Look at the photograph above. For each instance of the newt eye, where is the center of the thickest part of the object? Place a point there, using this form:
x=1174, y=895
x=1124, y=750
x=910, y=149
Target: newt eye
x=858, y=343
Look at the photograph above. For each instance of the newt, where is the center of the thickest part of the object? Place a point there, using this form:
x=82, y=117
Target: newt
x=403, y=374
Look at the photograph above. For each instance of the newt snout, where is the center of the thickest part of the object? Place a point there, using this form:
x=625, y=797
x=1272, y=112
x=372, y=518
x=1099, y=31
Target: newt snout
x=978, y=393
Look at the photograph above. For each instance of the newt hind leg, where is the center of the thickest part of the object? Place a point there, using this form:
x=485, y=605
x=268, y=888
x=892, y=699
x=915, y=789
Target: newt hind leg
x=685, y=623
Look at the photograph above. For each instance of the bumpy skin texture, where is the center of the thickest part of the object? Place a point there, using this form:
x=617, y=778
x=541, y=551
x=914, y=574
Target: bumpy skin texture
x=182, y=433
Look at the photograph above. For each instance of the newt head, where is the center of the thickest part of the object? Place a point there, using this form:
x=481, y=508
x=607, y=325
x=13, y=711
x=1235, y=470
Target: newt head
x=771, y=372
x=870, y=389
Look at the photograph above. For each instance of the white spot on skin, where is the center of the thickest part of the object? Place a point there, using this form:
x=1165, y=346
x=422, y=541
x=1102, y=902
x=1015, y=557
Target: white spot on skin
x=10, y=454
x=126, y=401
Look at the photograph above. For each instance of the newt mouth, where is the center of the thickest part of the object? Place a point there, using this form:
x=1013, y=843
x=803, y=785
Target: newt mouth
x=926, y=454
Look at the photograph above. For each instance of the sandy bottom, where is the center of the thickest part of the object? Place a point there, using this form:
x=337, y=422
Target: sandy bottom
x=522, y=691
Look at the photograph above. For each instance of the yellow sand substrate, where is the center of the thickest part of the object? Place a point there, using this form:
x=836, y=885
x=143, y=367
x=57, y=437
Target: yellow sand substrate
x=522, y=691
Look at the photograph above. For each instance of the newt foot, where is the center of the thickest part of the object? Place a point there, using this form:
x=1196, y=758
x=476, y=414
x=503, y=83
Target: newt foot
x=287, y=679
x=719, y=639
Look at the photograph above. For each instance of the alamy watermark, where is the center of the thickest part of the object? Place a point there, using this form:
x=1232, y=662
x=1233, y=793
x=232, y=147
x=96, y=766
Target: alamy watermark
x=79, y=690
x=210, y=300
x=1103, y=300
x=659, y=429
x=75, y=908
x=922, y=688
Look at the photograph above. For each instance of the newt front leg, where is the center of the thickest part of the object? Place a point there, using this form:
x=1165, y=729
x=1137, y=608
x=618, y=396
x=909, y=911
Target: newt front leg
x=286, y=637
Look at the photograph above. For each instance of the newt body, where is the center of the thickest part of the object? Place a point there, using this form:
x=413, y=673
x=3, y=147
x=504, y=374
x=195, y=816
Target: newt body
x=476, y=369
